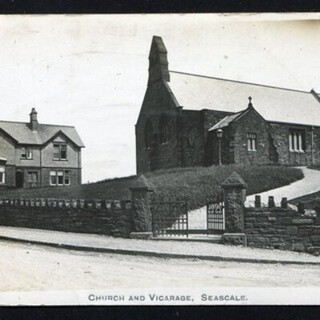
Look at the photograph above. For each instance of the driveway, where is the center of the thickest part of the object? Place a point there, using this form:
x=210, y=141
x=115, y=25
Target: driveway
x=309, y=184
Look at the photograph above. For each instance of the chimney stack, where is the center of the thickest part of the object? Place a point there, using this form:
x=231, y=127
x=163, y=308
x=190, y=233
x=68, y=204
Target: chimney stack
x=33, y=119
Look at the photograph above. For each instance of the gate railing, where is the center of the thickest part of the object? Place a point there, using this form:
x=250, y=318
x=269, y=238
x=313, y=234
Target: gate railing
x=216, y=214
x=169, y=218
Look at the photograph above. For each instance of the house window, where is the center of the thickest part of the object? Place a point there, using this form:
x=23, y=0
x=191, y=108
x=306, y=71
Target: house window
x=164, y=129
x=59, y=177
x=148, y=134
x=67, y=177
x=33, y=178
x=296, y=140
x=252, y=141
x=2, y=174
x=59, y=151
x=26, y=153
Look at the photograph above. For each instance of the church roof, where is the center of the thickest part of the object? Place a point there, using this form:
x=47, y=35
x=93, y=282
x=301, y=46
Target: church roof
x=196, y=92
x=22, y=133
x=226, y=121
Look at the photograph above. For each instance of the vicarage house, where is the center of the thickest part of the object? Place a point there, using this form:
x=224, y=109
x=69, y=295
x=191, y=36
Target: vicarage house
x=190, y=120
x=34, y=154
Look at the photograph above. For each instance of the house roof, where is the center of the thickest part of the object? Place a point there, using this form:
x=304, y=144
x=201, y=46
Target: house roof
x=22, y=133
x=195, y=92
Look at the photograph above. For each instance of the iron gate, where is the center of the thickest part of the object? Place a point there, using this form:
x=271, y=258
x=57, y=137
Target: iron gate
x=169, y=218
x=216, y=214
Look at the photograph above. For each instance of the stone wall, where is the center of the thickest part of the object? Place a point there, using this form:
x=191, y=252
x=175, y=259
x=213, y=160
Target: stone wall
x=281, y=228
x=268, y=226
x=100, y=216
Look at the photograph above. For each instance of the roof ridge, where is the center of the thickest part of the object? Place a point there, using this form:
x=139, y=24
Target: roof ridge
x=40, y=124
x=56, y=125
x=238, y=81
x=14, y=121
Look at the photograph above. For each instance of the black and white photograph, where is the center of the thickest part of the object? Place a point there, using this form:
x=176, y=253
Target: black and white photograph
x=160, y=159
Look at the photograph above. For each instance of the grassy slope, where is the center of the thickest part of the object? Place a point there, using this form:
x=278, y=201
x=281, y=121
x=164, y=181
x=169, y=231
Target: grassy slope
x=310, y=200
x=196, y=183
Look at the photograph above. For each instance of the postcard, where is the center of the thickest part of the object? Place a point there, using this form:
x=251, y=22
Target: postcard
x=160, y=159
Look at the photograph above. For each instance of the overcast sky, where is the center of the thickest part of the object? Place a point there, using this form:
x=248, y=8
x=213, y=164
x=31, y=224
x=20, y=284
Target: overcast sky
x=90, y=71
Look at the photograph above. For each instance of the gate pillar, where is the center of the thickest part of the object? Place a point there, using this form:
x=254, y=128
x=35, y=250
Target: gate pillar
x=141, y=192
x=234, y=197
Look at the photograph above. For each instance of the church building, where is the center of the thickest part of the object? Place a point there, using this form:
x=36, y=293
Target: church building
x=194, y=120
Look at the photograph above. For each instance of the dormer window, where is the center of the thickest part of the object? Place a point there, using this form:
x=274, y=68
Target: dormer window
x=59, y=151
x=26, y=153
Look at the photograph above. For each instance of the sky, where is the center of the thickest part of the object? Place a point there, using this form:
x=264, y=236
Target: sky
x=91, y=71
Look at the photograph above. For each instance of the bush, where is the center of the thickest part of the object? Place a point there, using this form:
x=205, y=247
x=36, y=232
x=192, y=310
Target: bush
x=194, y=183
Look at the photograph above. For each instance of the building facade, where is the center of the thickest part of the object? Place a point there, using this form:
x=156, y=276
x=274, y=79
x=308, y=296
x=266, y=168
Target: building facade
x=192, y=120
x=34, y=154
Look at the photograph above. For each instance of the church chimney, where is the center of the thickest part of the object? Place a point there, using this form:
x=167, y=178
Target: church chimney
x=33, y=119
x=158, y=62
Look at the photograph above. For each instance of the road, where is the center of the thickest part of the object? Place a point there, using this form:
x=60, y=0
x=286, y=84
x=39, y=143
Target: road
x=25, y=267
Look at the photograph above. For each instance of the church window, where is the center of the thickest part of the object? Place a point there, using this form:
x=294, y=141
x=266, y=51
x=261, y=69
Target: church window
x=252, y=141
x=296, y=140
x=148, y=134
x=164, y=129
x=2, y=174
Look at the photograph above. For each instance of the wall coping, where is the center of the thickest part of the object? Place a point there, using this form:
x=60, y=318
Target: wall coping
x=142, y=183
x=233, y=181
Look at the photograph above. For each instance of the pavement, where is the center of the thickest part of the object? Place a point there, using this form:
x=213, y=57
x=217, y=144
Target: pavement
x=155, y=248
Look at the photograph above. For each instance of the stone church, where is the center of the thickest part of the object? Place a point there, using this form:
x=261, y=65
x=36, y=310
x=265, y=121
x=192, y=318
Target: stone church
x=193, y=120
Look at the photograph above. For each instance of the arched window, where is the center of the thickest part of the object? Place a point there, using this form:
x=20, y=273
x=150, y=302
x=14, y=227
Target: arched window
x=148, y=133
x=164, y=129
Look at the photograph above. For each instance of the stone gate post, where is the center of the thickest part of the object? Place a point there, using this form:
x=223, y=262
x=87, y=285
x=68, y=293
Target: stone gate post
x=234, y=197
x=141, y=192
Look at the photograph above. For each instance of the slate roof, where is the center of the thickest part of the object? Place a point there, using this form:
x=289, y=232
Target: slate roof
x=195, y=92
x=226, y=121
x=22, y=133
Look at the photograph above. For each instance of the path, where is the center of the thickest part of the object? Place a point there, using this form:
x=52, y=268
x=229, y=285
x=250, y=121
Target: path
x=309, y=184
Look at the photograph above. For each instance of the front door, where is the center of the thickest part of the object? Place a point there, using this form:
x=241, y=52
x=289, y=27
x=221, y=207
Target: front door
x=19, y=179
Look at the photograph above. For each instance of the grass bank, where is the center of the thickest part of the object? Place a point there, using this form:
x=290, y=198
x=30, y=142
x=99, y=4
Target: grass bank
x=195, y=183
